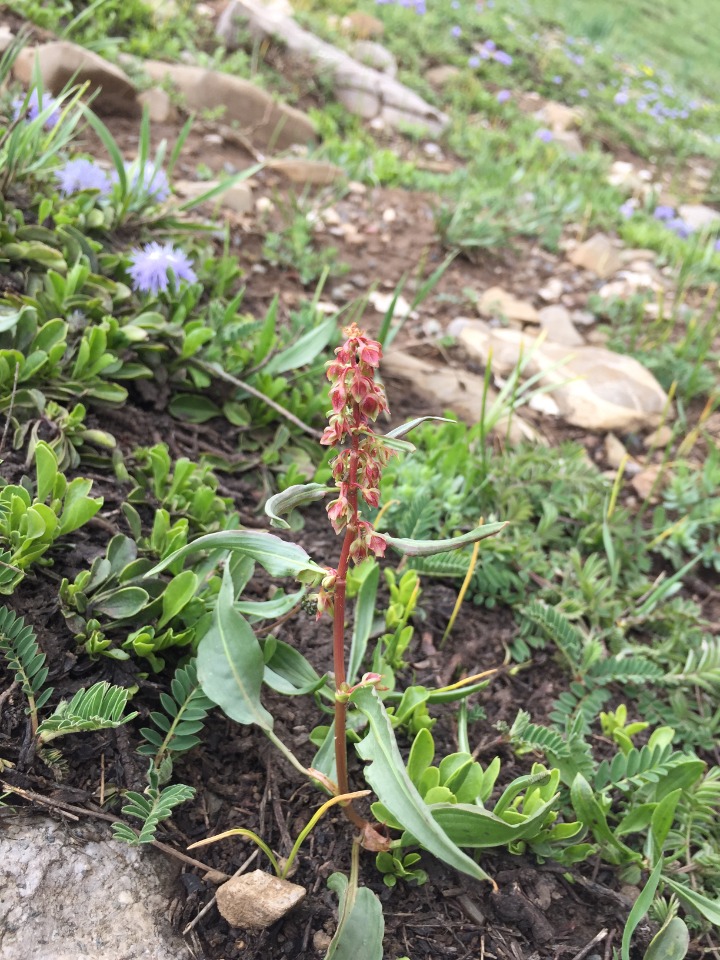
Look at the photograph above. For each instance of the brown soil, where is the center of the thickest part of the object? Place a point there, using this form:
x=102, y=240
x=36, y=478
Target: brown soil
x=240, y=780
x=537, y=911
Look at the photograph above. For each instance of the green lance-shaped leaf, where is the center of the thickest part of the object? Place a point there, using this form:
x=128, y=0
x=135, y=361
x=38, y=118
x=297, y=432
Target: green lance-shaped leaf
x=388, y=777
x=121, y=604
x=472, y=826
x=287, y=671
x=280, y=559
x=362, y=627
x=411, y=424
x=698, y=902
x=296, y=496
x=305, y=350
x=639, y=909
x=230, y=662
x=360, y=922
x=590, y=813
x=270, y=609
x=426, y=548
x=176, y=596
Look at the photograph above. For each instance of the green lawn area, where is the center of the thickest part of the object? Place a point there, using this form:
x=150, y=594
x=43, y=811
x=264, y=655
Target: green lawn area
x=681, y=39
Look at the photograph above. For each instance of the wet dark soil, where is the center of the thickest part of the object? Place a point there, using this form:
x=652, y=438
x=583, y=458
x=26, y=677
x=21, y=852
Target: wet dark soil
x=538, y=909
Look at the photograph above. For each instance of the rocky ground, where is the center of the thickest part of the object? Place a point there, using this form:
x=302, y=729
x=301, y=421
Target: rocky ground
x=521, y=305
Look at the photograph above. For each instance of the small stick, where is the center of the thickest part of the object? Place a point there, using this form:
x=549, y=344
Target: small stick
x=241, y=385
x=10, y=407
x=69, y=808
x=608, y=945
x=279, y=622
x=598, y=938
x=8, y=693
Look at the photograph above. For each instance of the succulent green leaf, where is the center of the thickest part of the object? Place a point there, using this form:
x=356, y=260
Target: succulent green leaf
x=176, y=596
x=426, y=548
x=360, y=926
x=306, y=349
x=362, y=626
x=690, y=899
x=411, y=424
x=388, y=777
x=280, y=559
x=123, y=603
x=230, y=662
x=640, y=909
x=671, y=942
x=286, y=501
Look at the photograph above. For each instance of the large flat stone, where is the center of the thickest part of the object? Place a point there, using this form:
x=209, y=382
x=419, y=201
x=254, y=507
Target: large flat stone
x=60, y=62
x=262, y=119
x=73, y=893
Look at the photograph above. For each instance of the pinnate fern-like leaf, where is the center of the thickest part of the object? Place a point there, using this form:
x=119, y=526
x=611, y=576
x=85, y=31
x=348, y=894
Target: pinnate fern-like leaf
x=537, y=737
x=442, y=565
x=632, y=669
x=151, y=807
x=701, y=668
x=569, y=640
x=175, y=730
x=578, y=706
x=19, y=647
x=647, y=765
x=419, y=517
x=98, y=708
x=570, y=753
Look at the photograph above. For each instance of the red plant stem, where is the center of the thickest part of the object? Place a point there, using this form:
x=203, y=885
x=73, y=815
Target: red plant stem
x=339, y=628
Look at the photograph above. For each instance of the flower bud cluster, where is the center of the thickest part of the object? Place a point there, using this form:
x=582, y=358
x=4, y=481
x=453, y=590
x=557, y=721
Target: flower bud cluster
x=356, y=401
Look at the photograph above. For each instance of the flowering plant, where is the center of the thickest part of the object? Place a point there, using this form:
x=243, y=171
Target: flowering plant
x=233, y=665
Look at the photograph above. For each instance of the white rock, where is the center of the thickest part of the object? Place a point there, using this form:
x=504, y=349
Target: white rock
x=627, y=285
x=648, y=481
x=458, y=324
x=447, y=388
x=315, y=173
x=497, y=302
x=659, y=438
x=558, y=116
x=598, y=254
x=441, y=75
x=6, y=37
x=616, y=454
x=570, y=140
x=632, y=255
x=160, y=107
x=257, y=900
x=698, y=216
x=375, y=55
x=552, y=291
x=237, y=198
x=270, y=121
x=66, y=897
x=556, y=321
x=593, y=387
x=330, y=217
x=433, y=150
x=383, y=301
x=583, y=318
